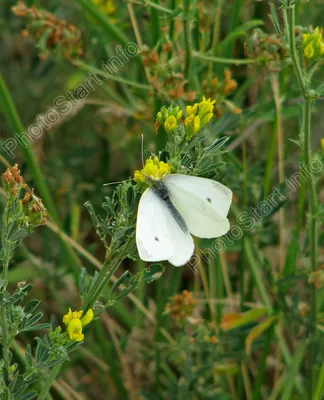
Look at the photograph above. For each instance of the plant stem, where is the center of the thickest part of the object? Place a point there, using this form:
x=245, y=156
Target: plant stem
x=320, y=385
x=155, y=25
x=276, y=95
x=222, y=60
x=158, y=7
x=257, y=277
x=186, y=31
x=112, y=30
x=3, y=319
x=312, y=235
x=217, y=26
x=107, y=271
x=49, y=381
x=312, y=191
x=289, y=18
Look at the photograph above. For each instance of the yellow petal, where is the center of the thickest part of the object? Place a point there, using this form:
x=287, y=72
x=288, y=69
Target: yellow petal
x=75, y=329
x=87, y=318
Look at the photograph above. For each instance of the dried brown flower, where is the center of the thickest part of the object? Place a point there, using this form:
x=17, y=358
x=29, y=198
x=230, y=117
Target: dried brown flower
x=53, y=35
x=181, y=306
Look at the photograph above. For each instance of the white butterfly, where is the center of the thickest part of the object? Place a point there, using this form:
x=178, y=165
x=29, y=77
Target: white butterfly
x=173, y=208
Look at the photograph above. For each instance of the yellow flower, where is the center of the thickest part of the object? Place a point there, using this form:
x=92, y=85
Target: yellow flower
x=196, y=124
x=75, y=330
x=75, y=322
x=206, y=118
x=170, y=123
x=206, y=107
x=192, y=110
x=198, y=115
x=322, y=143
x=87, y=318
x=106, y=6
x=168, y=117
x=153, y=169
x=309, y=51
x=71, y=315
x=313, y=44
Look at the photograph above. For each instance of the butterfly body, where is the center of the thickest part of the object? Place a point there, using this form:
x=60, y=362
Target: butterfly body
x=161, y=191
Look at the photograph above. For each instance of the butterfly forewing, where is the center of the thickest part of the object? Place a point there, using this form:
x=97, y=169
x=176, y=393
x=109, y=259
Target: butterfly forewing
x=203, y=203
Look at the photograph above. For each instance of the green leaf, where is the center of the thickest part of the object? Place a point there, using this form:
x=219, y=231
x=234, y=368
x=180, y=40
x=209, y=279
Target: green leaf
x=130, y=197
x=235, y=320
x=133, y=283
x=274, y=18
x=154, y=272
x=38, y=327
x=108, y=206
x=31, y=306
x=123, y=280
x=27, y=396
x=29, y=357
x=27, y=322
x=241, y=31
x=257, y=331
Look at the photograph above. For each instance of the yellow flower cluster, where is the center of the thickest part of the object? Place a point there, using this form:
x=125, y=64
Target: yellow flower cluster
x=153, y=169
x=169, y=117
x=198, y=115
x=75, y=322
x=106, y=6
x=313, y=45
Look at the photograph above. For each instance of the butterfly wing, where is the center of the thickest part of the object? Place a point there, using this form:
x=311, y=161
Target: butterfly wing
x=158, y=235
x=203, y=203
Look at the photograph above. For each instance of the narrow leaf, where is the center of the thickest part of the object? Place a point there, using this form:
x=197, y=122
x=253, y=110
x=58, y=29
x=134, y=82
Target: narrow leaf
x=257, y=331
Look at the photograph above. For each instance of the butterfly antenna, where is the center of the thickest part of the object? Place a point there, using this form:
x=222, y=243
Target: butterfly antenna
x=142, y=148
x=115, y=183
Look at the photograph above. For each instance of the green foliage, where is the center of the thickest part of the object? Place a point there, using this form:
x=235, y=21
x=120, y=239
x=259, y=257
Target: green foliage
x=254, y=329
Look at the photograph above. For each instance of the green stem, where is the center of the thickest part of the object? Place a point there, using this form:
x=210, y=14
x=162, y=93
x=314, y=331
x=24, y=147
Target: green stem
x=320, y=385
x=293, y=369
x=312, y=234
x=155, y=24
x=49, y=381
x=262, y=365
x=5, y=345
x=289, y=18
x=257, y=277
x=186, y=31
x=171, y=30
x=222, y=60
x=312, y=191
x=112, y=30
x=107, y=271
x=234, y=21
x=217, y=26
x=3, y=318
x=158, y=7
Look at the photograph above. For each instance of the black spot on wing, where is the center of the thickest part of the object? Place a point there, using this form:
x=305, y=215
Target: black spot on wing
x=209, y=199
x=156, y=238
